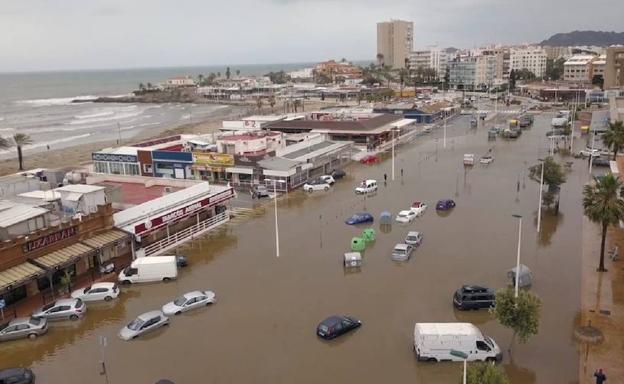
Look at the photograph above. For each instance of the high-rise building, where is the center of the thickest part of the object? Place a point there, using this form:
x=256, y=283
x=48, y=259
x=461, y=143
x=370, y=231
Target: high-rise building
x=473, y=72
x=614, y=67
x=530, y=58
x=433, y=57
x=395, y=39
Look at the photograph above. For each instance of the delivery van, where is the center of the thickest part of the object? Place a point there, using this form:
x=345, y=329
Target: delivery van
x=435, y=341
x=148, y=269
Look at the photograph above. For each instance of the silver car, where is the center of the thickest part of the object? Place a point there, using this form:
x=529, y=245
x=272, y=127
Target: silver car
x=414, y=238
x=23, y=327
x=63, y=309
x=402, y=252
x=189, y=301
x=144, y=323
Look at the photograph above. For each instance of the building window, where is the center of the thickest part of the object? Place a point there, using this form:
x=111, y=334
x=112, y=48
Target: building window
x=116, y=168
x=100, y=167
x=147, y=168
x=131, y=169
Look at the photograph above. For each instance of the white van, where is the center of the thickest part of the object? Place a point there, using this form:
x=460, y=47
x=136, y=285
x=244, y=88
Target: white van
x=150, y=268
x=367, y=186
x=435, y=341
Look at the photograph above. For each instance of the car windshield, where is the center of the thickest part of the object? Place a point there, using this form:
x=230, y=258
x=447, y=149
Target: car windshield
x=355, y=217
x=86, y=289
x=489, y=341
x=136, y=324
x=2, y=326
x=412, y=237
x=179, y=301
x=323, y=328
x=34, y=321
x=399, y=250
x=46, y=307
x=403, y=214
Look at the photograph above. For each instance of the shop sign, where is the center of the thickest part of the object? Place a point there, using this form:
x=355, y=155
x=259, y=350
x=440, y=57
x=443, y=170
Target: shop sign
x=50, y=239
x=111, y=157
x=214, y=160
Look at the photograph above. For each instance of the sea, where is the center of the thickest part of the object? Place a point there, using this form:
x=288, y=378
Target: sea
x=40, y=104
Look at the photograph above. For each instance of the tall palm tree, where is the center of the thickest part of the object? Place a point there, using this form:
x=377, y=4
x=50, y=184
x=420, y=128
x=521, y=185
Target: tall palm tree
x=602, y=205
x=614, y=137
x=21, y=140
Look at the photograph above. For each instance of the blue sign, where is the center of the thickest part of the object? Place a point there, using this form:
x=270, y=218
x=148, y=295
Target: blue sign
x=2, y=303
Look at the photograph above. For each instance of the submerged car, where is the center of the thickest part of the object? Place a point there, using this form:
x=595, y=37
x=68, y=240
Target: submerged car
x=366, y=186
x=370, y=159
x=335, y=326
x=589, y=152
x=405, y=216
x=359, y=218
x=144, y=323
x=258, y=191
x=413, y=238
x=17, y=376
x=419, y=207
x=63, y=309
x=487, y=159
x=97, y=292
x=316, y=185
x=474, y=297
x=445, y=205
x=338, y=174
x=598, y=162
x=188, y=301
x=329, y=179
x=23, y=327
x=402, y=252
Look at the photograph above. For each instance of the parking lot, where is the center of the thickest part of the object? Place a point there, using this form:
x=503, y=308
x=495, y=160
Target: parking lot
x=262, y=327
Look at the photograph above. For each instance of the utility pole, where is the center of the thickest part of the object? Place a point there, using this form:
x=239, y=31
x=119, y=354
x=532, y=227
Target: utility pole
x=539, y=206
x=517, y=278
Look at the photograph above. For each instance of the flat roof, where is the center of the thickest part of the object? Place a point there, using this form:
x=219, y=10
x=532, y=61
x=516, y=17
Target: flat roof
x=364, y=125
x=12, y=213
x=79, y=188
x=138, y=193
x=277, y=163
x=314, y=150
x=48, y=195
x=446, y=328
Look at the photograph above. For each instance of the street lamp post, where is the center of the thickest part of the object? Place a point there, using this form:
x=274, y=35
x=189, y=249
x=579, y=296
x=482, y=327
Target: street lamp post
x=539, y=204
x=519, y=217
x=591, y=154
x=445, y=118
x=393, y=140
x=461, y=355
x=275, y=181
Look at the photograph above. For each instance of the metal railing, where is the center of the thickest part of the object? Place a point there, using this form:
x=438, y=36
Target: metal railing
x=186, y=234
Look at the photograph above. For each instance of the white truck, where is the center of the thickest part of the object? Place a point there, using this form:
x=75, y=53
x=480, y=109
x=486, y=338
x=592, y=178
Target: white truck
x=435, y=341
x=148, y=269
x=366, y=186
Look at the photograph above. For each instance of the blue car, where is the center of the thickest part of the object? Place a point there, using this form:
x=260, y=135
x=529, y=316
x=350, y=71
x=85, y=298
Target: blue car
x=445, y=205
x=359, y=218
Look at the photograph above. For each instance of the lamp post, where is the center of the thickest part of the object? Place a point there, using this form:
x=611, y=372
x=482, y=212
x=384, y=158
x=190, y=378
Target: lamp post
x=463, y=356
x=539, y=204
x=393, y=131
x=275, y=181
x=591, y=154
x=445, y=118
x=519, y=217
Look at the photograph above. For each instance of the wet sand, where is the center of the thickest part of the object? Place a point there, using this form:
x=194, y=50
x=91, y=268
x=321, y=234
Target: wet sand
x=262, y=328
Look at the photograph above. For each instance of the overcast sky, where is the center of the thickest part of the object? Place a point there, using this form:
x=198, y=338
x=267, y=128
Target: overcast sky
x=91, y=34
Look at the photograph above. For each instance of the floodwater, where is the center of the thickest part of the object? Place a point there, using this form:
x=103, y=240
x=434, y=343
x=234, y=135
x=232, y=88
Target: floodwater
x=262, y=328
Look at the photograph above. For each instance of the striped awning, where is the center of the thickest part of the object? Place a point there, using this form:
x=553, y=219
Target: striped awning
x=63, y=256
x=106, y=238
x=18, y=274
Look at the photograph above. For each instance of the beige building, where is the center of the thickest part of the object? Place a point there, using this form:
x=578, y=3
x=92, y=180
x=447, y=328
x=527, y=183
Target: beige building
x=577, y=69
x=395, y=39
x=614, y=67
x=530, y=58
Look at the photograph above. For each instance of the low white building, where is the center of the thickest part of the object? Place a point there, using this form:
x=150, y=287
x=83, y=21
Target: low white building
x=181, y=81
x=302, y=74
x=20, y=219
x=250, y=143
x=81, y=198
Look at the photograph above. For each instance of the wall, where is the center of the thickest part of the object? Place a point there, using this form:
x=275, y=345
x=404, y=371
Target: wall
x=145, y=162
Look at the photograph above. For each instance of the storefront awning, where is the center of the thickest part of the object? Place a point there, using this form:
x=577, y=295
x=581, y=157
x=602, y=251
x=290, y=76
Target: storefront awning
x=63, y=256
x=106, y=238
x=246, y=171
x=18, y=274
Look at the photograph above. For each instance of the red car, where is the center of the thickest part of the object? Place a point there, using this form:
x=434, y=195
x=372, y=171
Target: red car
x=370, y=159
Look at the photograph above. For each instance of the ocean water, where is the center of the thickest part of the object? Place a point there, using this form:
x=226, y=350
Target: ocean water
x=39, y=104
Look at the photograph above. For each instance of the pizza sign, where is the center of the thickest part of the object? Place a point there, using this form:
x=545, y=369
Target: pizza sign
x=50, y=239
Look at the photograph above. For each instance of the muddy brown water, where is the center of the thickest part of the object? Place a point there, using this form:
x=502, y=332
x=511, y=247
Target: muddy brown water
x=262, y=329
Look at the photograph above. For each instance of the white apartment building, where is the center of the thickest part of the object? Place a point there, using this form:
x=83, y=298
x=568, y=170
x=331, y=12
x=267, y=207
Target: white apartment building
x=302, y=74
x=577, y=69
x=395, y=40
x=531, y=58
x=432, y=57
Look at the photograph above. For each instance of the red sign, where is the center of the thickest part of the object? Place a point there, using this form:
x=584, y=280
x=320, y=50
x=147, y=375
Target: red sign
x=50, y=239
x=181, y=213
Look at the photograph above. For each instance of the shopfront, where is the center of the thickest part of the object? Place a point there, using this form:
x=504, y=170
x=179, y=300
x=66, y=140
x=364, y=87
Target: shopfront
x=212, y=166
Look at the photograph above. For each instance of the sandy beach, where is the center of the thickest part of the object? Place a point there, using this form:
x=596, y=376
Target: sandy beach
x=80, y=155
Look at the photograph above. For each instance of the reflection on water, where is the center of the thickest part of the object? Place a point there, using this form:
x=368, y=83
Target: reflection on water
x=548, y=226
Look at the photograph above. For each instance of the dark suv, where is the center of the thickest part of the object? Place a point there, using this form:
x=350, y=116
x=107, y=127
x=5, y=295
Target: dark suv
x=473, y=297
x=17, y=376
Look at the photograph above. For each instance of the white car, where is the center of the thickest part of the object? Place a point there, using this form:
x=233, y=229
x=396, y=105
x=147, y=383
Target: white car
x=469, y=159
x=590, y=152
x=419, y=208
x=367, y=186
x=329, y=179
x=188, y=301
x=97, y=292
x=406, y=216
x=414, y=238
x=316, y=185
x=487, y=159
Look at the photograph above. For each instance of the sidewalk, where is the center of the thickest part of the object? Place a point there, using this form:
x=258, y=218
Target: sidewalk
x=602, y=303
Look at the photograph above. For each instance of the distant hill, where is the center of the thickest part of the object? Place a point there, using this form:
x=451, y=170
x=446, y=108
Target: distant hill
x=598, y=38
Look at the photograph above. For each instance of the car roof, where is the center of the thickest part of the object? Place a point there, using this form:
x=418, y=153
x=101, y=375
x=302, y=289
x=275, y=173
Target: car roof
x=401, y=246
x=413, y=233
x=406, y=212
x=332, y=320
x=10, y=372
x=103, y=285
x=20, y=320
x=475, y=288
x=148, y=315
x=65, y=302
x=190, y=295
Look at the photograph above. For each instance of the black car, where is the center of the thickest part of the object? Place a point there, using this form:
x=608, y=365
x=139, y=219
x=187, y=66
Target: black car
x=335, y=326
x=473, y=297
x=338, y=174
x=181, y=261
x=598, y=162
x=17, y=376
x=445, y=205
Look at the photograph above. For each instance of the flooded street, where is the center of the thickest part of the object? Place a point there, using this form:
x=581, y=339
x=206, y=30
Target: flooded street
x=262, y=328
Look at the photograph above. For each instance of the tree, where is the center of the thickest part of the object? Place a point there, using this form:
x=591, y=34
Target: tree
x=279, y=77
x=141, y=87
x=218, y=74
x=272, y=102
x=227, y=73
x=21, y=140
x=149, y=86
x=4, y=143
x=447, y=77
x=200, y=79
x=237, y=72
x=403, y=74
x=380, y=59
x=554, y=68
x=614, y=137
x=512, y=80
x=521, y=314
x=259, y=103
x=485, y=373
x=602, y=205
x=553, y=178
x=524, y=74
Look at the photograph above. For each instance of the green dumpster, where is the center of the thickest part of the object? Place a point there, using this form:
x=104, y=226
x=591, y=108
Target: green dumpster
x=358, y=244
x=368, y=234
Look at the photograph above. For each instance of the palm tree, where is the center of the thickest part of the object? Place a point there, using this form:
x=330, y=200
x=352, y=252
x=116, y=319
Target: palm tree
x=403, y=74
x=272, y=102
x=149, y=86
x=602, y=205
x=21, y=140
x=614, y=137
x=237, y=72
x=141, y=87
x=200, y=79
x=259, y=103
x=380, y=59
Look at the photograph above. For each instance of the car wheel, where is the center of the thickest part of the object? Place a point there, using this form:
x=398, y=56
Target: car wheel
x=126, y=282
x=432, y=359
x=73, y=317
x=491, y=359
x=166, y=279
x=108, y=298
x=32, y=336
x=177, y=313
x=310, y=190
x=326, y=188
